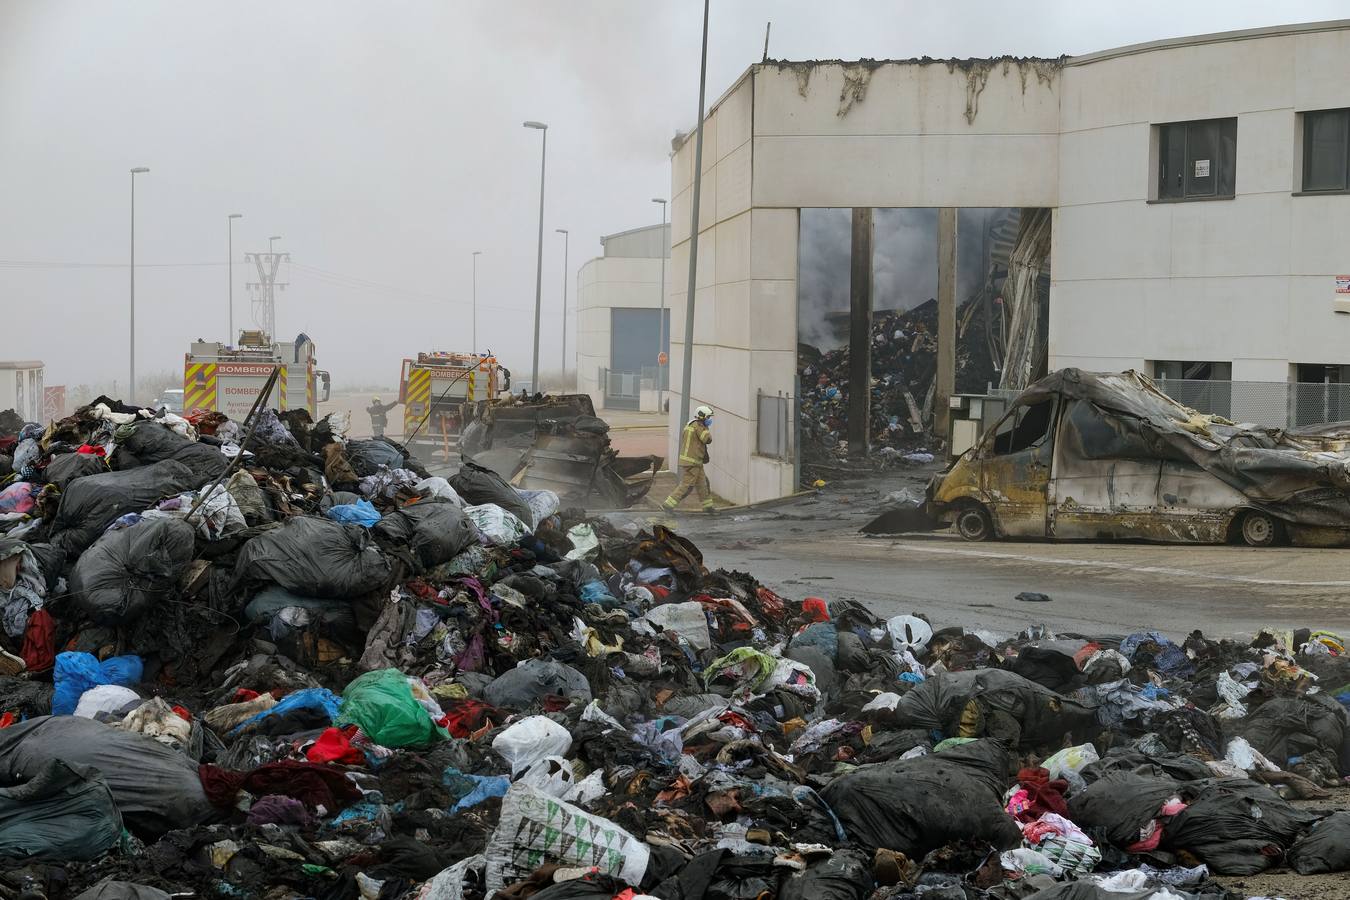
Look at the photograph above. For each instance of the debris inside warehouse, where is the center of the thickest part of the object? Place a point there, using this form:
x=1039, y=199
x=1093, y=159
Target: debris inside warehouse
x=263, y=659
x=1001, y=330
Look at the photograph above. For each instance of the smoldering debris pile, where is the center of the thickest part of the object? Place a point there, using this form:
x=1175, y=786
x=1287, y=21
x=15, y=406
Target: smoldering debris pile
x=904, y=367
x=341, y=679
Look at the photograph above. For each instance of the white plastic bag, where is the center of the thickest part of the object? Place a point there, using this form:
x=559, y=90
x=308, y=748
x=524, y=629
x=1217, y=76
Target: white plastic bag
x=552, y=775
x=535, y=829
x=449, y=883
x=685, y=619
x=498, y=526
x=530, y=740
x=1069, y=762
x=106, y=698
x=588, y=789
x=440, y=489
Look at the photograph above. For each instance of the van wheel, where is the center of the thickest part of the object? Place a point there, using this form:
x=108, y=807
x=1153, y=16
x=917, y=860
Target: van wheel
x=973, y=523
x=1260, y=529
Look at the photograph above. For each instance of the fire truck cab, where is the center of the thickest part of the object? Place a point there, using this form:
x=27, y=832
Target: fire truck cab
x=221, y=378
x=439, y=390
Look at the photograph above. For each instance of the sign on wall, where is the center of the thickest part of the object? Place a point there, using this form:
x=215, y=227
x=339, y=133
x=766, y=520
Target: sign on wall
x=1343, y=284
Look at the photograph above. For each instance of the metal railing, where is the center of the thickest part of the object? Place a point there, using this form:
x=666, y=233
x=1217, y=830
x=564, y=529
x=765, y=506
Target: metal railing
x=776, y=425
x=1276, y=403
x=1283, y=404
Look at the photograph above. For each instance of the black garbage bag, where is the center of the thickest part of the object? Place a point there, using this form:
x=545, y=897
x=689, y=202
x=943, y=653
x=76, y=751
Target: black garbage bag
x=1051, y=665
x=156, y=788
x=366, y=457
x=847, y=875
x=25, y=698
x=535, y=679
x=1324, y=848
x=994, y=703
x=314, y=557
x=1296, y=726
x=94, y=502
x=478, y=485
x=918, y=805
x=1235, y=826
x=152, y=442
x=127, y=572
x=62, y=812
x=743, y=878
x=435, y=531
x=123, y=890
x=1121, y=804
x=66, y=467
x=1176, y=766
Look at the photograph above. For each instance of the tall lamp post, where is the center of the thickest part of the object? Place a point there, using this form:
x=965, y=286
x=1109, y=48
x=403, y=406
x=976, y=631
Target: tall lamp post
x=139, y=170
x=229, y=267
x=562, y=383
x=539, y=260
x=661, y=321
x=476, y=254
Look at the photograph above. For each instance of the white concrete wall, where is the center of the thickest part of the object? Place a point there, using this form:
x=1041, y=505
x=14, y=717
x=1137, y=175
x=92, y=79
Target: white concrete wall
x=1248, y=281
x=602, y=284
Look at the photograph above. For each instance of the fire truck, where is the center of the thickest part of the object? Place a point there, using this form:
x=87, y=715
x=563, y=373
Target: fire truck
x=439, y=392
x=220, y=378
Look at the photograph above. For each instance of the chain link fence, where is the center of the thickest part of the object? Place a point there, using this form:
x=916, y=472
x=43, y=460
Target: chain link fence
x=1274, y=403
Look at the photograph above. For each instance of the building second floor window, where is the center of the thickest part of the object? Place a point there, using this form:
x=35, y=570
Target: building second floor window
x=1326, y=150
x=1197, y=160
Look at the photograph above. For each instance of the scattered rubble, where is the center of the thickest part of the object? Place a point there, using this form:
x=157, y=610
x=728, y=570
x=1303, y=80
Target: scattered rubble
x=264, y=660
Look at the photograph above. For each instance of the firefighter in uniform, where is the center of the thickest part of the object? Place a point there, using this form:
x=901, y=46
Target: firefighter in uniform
x=694, y=441
x=379, y=415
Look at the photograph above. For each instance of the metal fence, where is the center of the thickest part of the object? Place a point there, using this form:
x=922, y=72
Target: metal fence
x=776, y=414
x=1276, y=403
x=1289, y=404
x=623, y=390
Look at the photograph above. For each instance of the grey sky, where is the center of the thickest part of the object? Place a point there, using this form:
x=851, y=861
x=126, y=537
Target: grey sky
x=383, y=140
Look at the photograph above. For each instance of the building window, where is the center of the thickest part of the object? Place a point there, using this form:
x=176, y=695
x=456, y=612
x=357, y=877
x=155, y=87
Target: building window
x=1203, y=386
x=1197, y=160
x=1326, y=150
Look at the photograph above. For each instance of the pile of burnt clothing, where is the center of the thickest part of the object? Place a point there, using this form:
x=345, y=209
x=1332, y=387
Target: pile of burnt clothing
x=904, y=368
x=379, y=685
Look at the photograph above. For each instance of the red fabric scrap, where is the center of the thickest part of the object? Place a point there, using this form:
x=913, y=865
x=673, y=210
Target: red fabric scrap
x=1045, y=795
x=8, y=719
x=314, y=785
x=815, y=609
x=182, y=713
x=464, y=717
x=335, y=746
x=92, y=450
x=39, y=642
x=244, y=694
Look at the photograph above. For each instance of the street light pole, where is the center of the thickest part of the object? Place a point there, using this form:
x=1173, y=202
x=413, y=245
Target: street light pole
x=691, y=287
x=139, y=170
x=562, y=383
x=661, y=321
x=476, y=254
x=539, y=259
x=229, y=266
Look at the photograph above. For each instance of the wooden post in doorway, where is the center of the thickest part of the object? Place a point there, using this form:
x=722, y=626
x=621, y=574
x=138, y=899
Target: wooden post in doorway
x=860, y=336
x=946, y=336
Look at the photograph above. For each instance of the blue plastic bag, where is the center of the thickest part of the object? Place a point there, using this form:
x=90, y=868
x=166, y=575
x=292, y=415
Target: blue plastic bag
x=76, y=673
x=358, y=513
x=319, y=699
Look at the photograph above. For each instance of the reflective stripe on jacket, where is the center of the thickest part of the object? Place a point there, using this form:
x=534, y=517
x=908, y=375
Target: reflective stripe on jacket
x=694, y=441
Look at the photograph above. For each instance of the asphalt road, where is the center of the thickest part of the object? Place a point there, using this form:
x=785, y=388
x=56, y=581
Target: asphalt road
x=813, y=548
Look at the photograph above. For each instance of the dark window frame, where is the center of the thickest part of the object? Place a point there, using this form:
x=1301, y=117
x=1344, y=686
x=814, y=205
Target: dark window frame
x=1310, y=119
x=1015, y=439
x=1222, y=157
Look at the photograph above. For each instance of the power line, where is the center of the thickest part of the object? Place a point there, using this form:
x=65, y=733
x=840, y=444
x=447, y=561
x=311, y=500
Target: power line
x=325, y=276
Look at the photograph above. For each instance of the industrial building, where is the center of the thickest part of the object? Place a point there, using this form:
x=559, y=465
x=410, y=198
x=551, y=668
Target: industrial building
x=619, y=330
x=1199, y=197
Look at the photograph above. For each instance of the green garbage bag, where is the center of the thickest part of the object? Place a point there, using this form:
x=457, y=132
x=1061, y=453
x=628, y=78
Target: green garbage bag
x=382, y=705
